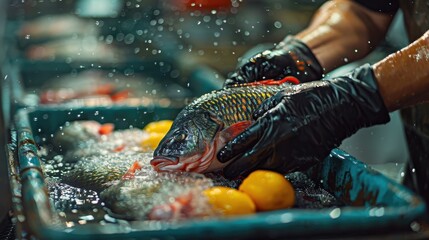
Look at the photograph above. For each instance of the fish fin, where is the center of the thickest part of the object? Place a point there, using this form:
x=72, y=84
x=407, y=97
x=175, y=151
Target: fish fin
x=235, y=129
x=291, y=79
x=287, y=79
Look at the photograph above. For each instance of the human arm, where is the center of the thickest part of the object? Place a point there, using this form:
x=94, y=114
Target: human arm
x=403, y=76
x=343, y=31
x=300, y=125
x=340, y=31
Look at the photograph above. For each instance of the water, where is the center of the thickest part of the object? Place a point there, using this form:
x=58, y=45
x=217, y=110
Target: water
x=74, y=204
x=86, y=186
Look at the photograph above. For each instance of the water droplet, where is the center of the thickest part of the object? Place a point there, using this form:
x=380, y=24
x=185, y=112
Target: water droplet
x=335, y=213
x=87, y=217
x=415, y=226
x=82, y=222
x=21, y=218
x=277, y=24
x=286, y=217
x=206, y=18
x=129, y=38
x=109, y=39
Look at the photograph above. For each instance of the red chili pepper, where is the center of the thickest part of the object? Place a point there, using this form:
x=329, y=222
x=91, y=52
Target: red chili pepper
x=131, y=171
x=104, y=89
x=119, y=148
x=120, y=95
x=106, y=128
x=207, y=4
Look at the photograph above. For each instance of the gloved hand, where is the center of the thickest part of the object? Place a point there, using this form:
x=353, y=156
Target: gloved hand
x=291, y=57
x=299, y=126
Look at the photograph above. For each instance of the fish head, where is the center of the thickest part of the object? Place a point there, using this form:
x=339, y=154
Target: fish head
x=190, y=143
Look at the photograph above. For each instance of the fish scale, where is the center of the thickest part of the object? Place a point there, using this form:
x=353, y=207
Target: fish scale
x=236, y=103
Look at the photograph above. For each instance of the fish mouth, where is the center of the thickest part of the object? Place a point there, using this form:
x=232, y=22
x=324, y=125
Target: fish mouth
x=163, y=163
x=194, y=163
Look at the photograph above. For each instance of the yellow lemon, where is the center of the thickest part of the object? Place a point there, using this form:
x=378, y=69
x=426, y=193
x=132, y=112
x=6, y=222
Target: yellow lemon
x=269, y=190
x=156, y=131
x=158, y=127
x=152, y=140
x=230, y=201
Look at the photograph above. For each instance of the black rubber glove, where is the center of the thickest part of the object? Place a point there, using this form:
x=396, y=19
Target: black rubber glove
x=291, y=57
x=299, y=126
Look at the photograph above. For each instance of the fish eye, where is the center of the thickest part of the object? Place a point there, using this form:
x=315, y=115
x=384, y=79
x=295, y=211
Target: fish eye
x=180, y=137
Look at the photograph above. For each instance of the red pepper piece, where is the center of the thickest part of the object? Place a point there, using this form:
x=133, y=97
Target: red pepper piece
x=131, y=171
x=106, y=128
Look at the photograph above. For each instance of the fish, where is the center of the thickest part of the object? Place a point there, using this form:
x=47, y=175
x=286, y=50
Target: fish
x=97, y=172
x=208, y=123
x=152, y=195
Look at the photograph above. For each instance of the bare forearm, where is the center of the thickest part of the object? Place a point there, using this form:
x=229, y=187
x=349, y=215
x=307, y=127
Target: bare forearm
x=403, y=77
x=343, y=31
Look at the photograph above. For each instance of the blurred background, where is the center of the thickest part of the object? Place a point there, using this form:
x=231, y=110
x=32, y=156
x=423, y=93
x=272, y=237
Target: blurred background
x=143, y=52
x=123, y=51
x=215, y=34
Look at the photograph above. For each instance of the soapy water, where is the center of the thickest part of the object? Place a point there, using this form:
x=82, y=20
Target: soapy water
x=92, y=185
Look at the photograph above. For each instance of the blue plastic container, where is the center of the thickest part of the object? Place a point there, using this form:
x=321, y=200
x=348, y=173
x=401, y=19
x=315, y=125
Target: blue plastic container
x=373, y=203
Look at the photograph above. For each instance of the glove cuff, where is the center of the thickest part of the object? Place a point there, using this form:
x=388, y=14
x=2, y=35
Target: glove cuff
x=373, y=107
